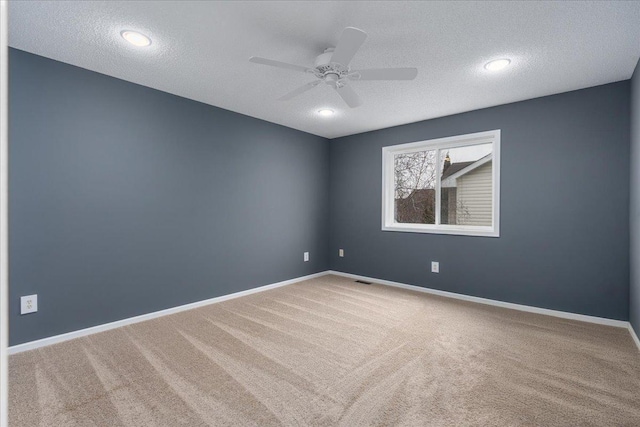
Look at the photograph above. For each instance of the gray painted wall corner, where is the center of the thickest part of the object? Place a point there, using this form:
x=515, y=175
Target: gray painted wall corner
x=634, y=211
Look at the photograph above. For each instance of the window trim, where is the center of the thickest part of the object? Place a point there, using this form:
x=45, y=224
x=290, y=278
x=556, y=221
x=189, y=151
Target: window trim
x=388, y=185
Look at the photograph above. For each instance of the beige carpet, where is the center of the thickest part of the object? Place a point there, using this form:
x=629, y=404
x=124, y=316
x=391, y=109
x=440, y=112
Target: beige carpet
x=330, y=352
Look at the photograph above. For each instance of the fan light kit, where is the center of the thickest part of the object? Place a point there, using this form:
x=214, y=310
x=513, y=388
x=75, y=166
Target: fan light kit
x=497, y=64
x=325, y=112
x=136, y=38
x=332, y=68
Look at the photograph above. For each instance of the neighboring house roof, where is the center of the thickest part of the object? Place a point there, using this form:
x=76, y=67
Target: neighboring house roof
x=448, y=178
x=453, y=168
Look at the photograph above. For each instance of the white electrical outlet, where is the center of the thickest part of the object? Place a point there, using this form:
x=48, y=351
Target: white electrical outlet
x=306, y=256
x=28, y=304
x=435, y=267
x=341, y=252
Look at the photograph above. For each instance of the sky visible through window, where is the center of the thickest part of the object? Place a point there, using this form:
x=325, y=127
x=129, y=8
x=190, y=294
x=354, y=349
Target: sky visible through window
x=468, y=153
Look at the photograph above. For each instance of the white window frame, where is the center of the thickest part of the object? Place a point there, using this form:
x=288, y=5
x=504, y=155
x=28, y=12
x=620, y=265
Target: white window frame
x=388, y=185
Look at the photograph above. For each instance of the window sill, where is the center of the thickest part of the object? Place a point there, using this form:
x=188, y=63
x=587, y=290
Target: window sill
x=476, y=231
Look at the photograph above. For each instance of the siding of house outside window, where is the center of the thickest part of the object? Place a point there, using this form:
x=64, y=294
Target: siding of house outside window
x=474, y=196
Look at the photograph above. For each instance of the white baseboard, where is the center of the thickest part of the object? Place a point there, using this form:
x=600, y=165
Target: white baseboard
x=634, y=336
x=131, y=320
x=527, y=308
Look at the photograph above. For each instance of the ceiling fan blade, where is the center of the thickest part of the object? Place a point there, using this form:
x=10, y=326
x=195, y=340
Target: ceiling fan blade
x=349, y=96
x=301, y=89
x=271, y=62
x=385, y=74
x=349, y=43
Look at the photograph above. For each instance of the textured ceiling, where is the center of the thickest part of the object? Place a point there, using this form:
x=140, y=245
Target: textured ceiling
x=200, y=51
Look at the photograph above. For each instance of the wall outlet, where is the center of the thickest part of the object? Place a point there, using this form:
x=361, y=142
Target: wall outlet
x=341, y=252
x=306, y=256
x=435, y=267
x=28, y=304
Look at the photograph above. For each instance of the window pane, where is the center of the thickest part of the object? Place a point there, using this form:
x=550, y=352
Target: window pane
x=415, y=187
x=466, y=185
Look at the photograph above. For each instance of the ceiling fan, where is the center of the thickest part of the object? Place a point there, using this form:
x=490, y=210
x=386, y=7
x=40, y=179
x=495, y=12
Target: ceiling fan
x=332, y=68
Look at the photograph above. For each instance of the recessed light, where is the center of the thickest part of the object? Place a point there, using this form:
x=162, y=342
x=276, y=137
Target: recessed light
x=497, y=64
x=325, y=112
x=136, y=38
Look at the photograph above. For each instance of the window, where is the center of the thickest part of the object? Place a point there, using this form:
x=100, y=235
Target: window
x=444, y=186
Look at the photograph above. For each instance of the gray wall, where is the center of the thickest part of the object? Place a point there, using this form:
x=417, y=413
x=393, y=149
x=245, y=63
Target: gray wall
x=564, y=240
x=634, y=291
x=126, y=200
